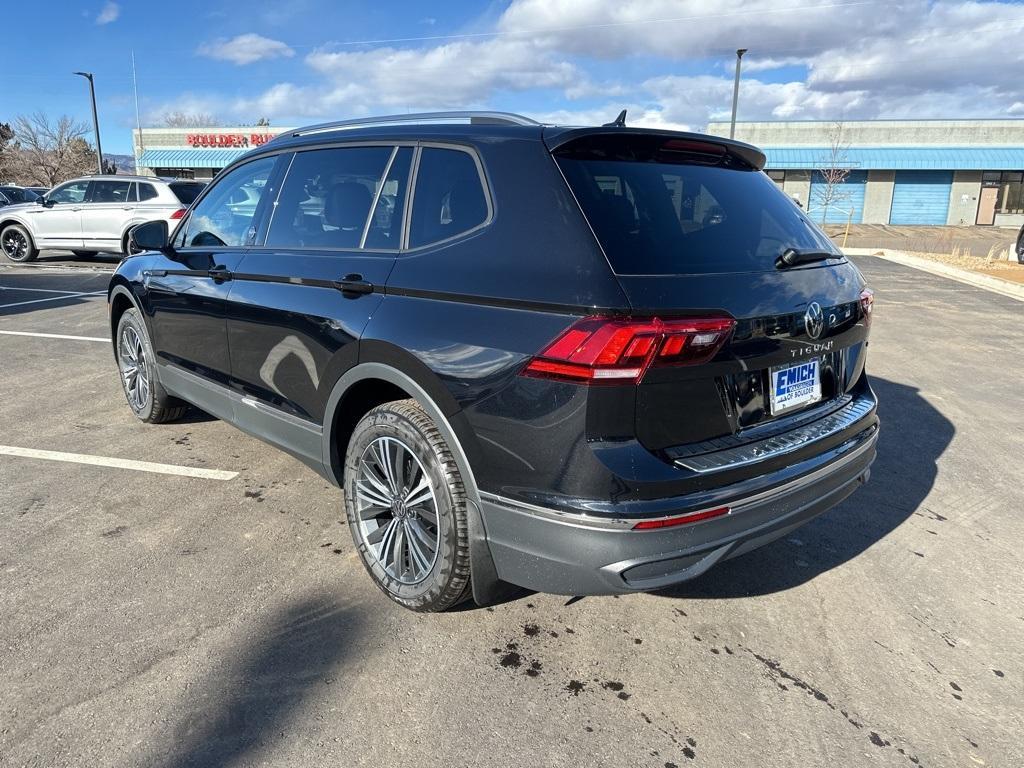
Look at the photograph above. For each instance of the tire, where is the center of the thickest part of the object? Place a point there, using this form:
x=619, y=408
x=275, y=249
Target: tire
x=148, y=400
x=417, y=456
x=17, y=245
x=85, y=254
x=1020, y=248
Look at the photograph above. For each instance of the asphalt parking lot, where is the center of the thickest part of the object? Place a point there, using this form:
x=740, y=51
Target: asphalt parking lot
x=151, y=618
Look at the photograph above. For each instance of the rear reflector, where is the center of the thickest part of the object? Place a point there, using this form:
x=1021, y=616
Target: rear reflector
x=609, y=350
x=669, y=522
x=178, y=213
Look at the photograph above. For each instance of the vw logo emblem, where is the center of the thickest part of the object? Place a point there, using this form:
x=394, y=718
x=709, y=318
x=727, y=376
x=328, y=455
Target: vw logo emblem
x=814, y=320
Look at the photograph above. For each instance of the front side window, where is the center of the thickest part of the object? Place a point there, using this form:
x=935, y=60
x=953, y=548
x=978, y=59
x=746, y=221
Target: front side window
x=225, y=217
x=449, y=198
x=69, y=193
x=110, y=191
x=326, y=198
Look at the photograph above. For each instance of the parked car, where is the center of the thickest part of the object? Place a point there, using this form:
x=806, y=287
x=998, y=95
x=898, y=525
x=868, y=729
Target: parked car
x=10, y=194
x=91, y=214
x=1020, y=246
x=579, y=360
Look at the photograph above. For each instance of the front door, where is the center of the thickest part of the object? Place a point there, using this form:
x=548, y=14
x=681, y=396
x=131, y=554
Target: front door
x=106, y=212
x=187, y=291
x=300, y=302
x=58, y=222
x=987, y=206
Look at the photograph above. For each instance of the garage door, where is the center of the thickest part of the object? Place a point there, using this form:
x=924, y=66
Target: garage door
x=921, y=197
x=847, y=196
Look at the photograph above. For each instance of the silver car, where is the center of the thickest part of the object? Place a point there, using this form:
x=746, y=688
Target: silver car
x=92, y=214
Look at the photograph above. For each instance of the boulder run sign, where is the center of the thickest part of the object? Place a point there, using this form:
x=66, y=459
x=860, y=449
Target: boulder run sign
x=227, y=140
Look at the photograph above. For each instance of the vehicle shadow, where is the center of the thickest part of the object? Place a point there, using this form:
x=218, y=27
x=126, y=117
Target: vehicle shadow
x=244, y=705
x=913, y=436
x=22, y=293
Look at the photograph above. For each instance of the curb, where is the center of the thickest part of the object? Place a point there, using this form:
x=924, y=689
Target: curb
x=975, y=279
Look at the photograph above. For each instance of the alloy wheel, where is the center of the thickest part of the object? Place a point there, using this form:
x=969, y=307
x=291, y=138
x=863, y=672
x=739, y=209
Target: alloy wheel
x=397, y=510
x=15, y=245
x=134, y=370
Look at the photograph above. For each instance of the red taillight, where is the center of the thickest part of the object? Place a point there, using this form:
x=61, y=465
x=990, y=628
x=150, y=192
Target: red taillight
x=178, y=213
x=867, y=304
x=693, y=517
x=608, y=350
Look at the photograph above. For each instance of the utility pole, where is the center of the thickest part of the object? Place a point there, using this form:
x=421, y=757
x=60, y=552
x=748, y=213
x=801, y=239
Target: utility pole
x=138, y=120
x=95, y=120
x=736, y=91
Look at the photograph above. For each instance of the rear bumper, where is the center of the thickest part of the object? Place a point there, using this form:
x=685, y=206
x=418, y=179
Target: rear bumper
x=573, y=554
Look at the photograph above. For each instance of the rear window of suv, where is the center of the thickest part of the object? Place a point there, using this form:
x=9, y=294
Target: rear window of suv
x=186, y=192
x=658, y=208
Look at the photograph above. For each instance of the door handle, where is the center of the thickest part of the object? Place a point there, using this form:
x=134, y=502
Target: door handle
x=353, y=285
x=127, y=207
x=220, y=274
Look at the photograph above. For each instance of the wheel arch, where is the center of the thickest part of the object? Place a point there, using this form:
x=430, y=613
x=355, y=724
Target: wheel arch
x=119, y=300
x=6, y=221
x=383, y=365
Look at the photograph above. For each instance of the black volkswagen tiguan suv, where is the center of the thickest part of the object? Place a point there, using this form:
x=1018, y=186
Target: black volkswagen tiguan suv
x=578, y=360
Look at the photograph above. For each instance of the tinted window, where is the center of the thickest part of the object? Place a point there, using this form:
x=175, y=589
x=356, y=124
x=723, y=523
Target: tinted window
x=17, y=195
x=386, y=225
x=326, y=198
x=186, y=193
x=69, y=193
x=148, y=192
x=655, y=215
x=449, y=198
x=110, y=191
x=225, y=216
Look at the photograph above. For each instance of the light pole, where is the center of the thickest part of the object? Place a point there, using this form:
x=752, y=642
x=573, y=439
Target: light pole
x=96, y=120
x=736, y=91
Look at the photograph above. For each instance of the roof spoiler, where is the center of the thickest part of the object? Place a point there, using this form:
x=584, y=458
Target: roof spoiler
x=562, y=138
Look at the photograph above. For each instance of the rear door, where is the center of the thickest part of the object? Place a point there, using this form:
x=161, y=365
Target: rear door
x=302, y=299
x=693, y=231
x=187, y=287
x=106, y=213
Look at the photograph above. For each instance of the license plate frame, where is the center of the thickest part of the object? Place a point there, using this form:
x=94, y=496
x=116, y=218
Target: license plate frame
x=801, y=388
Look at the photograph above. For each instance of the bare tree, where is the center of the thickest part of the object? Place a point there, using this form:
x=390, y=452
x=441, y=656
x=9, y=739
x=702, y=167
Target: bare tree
x=834, y=171
x=48, y=152
x=189, y=120
x=6, y=152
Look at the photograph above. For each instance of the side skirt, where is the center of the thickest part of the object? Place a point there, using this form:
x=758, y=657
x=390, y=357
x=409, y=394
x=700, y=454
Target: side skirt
x=301, y=438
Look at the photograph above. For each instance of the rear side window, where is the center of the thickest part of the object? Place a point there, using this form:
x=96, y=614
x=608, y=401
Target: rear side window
x=449, y=198
x=660, y=211
x=186, y=193
x=326, y=198
x=110, y=191
x=148, y=192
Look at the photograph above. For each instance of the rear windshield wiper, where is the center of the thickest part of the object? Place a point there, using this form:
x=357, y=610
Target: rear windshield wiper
x=793, y=256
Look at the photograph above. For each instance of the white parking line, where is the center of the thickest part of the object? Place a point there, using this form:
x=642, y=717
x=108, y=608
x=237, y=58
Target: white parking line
x=53, y=298
x=55, y=336
x=108, y=461
x=35, y=290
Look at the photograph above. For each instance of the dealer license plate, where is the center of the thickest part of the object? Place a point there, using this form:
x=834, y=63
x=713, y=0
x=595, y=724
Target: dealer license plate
x=795, y=385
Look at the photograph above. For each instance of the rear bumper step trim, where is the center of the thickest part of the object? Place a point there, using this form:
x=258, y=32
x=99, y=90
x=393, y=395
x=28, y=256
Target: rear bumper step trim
x=778, y=445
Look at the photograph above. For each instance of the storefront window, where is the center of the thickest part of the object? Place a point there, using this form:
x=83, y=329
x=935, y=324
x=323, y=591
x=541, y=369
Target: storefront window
x=779, y=177
x=1010, y=198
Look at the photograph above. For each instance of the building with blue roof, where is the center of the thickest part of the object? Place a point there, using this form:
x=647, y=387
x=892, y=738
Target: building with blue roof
x=896, y=171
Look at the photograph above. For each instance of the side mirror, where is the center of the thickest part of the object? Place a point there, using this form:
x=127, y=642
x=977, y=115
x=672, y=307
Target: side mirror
x=151, y=236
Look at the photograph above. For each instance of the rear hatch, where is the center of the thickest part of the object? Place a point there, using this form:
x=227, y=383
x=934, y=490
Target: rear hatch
x=693, y=229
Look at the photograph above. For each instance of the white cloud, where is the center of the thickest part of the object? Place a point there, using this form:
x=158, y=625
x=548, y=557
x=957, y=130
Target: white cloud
x=245, y=49
x=863, y=59
x=108, y=13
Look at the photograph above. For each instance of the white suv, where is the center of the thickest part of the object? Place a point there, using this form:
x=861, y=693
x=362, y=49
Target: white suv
x=92, y=214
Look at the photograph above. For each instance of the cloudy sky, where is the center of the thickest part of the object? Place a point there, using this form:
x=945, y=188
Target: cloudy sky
x=670, y=62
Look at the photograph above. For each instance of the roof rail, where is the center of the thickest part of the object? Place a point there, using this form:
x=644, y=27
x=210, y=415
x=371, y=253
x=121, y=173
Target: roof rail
x=474, y=118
